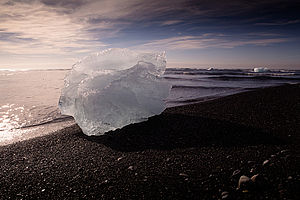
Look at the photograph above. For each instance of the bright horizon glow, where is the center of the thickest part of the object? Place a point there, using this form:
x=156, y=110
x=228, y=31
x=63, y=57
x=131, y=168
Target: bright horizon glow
x=54, y=34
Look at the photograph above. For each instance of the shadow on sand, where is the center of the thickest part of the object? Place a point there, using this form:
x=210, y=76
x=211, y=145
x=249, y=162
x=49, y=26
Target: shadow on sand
x=169, y=131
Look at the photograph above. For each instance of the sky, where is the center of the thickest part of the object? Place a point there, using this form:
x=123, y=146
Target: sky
x=194, y=33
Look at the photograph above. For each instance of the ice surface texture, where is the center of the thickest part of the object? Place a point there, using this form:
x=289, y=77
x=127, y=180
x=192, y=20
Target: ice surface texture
x=114, y=88
x=260, y=69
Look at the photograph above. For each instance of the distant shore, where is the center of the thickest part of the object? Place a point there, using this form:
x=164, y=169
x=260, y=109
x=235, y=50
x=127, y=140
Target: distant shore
x=197, y=151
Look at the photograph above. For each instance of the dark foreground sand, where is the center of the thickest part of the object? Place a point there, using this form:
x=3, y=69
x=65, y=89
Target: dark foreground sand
x=197, y=151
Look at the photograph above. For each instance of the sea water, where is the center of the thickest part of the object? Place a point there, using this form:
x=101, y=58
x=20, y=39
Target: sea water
x=29, y=98
x=28, y=104
x=195, y=85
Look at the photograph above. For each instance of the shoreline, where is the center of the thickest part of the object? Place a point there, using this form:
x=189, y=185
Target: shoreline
x=39, y=130
x=192, y=151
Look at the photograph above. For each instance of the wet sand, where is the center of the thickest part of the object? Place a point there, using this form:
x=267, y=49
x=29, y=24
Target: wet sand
x=197, y=151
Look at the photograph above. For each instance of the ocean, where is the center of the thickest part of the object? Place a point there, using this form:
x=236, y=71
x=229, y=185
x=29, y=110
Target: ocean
x=29, y=98
x=195, y=85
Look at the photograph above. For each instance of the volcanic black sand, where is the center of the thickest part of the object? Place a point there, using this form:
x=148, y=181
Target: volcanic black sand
x=198, y=151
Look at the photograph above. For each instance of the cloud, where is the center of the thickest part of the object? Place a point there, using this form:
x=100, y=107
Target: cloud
x=71, y=4
x=278, y=23
x=207, y=41
x=264, y=34
x=77, y=27
x=36, y=28
x=171, y=22
x=71, y=26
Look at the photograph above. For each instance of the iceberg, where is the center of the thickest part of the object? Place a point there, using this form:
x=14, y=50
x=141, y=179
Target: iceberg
x=114, y=88
x=260, y=69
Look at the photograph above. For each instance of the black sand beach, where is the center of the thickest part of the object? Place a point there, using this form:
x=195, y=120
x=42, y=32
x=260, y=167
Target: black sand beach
x=197, y=151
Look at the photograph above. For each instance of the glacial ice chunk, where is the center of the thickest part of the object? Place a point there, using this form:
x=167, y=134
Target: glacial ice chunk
x=260, y=69
x=114, y=88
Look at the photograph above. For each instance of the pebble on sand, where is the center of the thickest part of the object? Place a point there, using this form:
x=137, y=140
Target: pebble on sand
x=243, y=182
x=225, y=195
x=265, y=162
x=183, y=174
x=254, y=177
x=236, y=172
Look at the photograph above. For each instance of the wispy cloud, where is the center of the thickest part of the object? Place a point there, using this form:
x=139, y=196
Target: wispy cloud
x=64, y=26
x=171, y=22
x=74, y=28
x=36, y=28
x=207, y=41
x=278, y=23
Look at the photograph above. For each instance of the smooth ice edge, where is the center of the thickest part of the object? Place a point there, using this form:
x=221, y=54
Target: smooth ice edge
x=114, y=88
